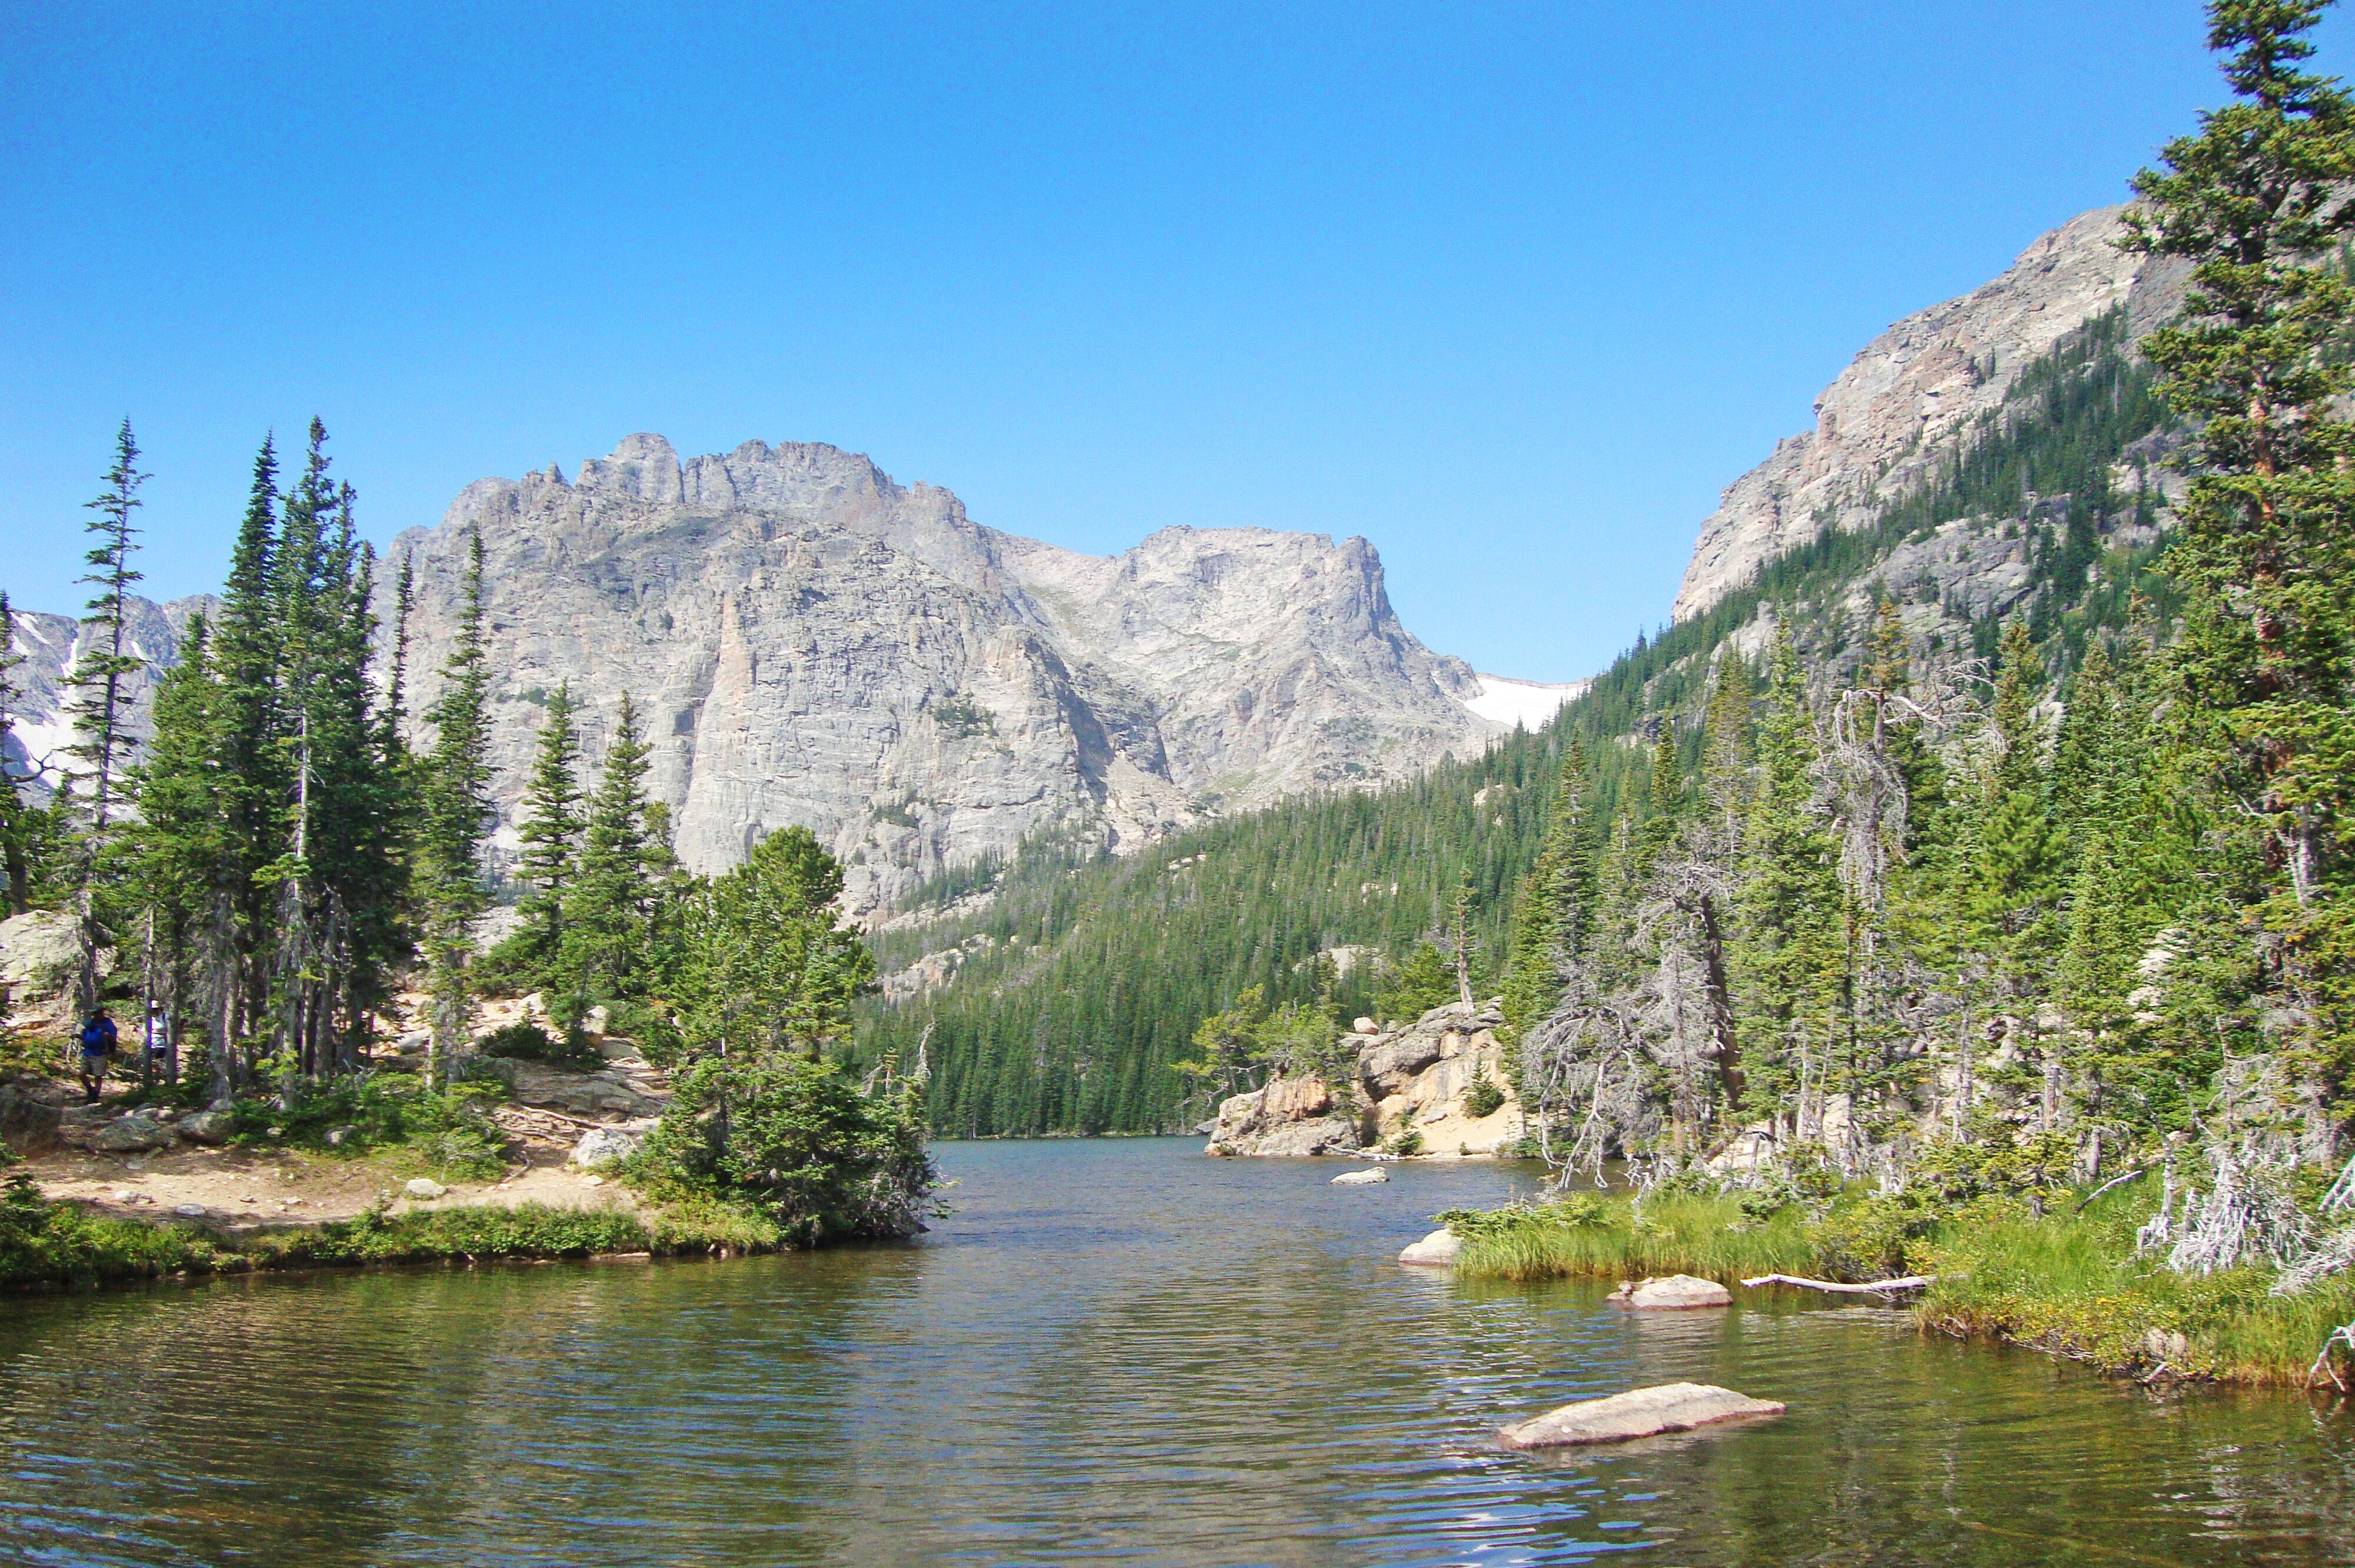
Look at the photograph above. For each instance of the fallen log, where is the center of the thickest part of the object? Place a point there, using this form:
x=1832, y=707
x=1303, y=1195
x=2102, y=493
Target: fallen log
x=1878, y=1287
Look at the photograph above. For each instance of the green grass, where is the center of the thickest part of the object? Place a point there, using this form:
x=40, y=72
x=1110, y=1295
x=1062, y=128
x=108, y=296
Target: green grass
x=55, y=1243
x=2063, y=1282
x=2073, y=1285
x=1606, y=1238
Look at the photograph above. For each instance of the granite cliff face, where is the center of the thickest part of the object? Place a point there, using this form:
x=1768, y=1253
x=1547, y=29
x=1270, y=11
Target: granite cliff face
x=1899, y=409
x=42, y=723
x=808, y=641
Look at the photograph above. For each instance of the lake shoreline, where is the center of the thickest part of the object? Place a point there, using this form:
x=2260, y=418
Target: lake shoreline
x=2070, y=1284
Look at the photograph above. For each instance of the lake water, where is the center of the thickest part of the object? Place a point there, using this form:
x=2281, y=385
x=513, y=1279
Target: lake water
x=1116, y=1350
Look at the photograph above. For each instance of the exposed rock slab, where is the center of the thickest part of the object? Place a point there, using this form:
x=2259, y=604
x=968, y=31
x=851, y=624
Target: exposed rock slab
x=812, y=642
x=1890, y=420
x=1638, y=1412
x=1418, y=1077
x=1362, y=1178
x=1440, y=1249
x=1671, y=1292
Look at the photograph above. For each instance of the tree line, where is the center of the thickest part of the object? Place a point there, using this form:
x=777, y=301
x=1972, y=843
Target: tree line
x=1918, y=903
x=292, y=847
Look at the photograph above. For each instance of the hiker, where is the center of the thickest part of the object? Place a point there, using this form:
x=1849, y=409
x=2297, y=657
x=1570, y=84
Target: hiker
x=98, y=1042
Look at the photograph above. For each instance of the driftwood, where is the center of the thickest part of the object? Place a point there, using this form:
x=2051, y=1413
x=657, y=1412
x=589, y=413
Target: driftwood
x=2113, y=1182
x=1878, y=1287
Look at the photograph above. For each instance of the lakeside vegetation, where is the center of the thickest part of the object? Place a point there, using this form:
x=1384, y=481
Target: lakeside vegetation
x=53, y=1243
x=1810, y=886
x=2069, y=1281
x=291, y=849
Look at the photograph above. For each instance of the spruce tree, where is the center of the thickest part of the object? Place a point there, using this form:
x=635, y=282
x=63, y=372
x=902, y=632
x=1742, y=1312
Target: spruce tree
x=609, y=918
x=455, y=819
x=102, y=702
x=552, y=839
x=17, y=828
x=2257, y=202
x=1554, y=915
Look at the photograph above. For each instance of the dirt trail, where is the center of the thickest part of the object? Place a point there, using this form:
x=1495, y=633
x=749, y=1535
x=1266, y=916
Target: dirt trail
x=245, y=1190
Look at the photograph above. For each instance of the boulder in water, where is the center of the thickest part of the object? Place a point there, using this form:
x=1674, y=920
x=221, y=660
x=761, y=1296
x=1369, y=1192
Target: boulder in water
x=1362, y=1178
x=1440, y=1249
x=1674, y=1291
x=1638, y=1412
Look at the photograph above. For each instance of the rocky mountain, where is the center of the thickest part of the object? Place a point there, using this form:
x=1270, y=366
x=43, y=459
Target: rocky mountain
x=42, y=725
x=809, y=641
x=1916, y=392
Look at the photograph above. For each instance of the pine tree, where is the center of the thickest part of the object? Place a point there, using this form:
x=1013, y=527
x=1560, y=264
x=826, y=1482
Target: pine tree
x=177, y=841
x=609, y=917
x=551, y=834
x=456, y=811
x=2257, y=202
x=17, y=831
x=1554, y=915
x=101, y=705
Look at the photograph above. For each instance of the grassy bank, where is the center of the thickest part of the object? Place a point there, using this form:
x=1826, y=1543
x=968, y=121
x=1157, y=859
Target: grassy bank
x=2065, y=1282
x=44, y=1244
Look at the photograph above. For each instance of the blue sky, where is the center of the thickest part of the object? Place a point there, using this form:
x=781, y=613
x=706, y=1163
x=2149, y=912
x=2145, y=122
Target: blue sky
x=1512, y=290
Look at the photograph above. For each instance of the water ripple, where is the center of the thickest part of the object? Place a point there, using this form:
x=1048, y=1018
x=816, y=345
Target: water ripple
x=1118, y=1352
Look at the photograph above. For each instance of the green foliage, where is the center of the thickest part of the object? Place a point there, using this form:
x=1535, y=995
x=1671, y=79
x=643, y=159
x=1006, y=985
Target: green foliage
x=528, y=1041
x=796, y=1139
x=1416, y=983
x=1484, y=1095
x=961, y=718
x=611, y=914
x=447, y=1130
x=761, y=964
x=43, y=1242
x=47, y=1244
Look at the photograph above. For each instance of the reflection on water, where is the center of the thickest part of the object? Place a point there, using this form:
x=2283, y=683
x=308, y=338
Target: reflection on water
x=1115, y=1350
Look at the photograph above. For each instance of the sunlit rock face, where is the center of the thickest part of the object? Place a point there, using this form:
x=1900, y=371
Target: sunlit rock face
x=1915, y=393
x=808, y=641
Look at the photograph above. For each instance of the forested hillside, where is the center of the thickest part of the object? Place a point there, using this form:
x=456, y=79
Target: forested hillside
x=1078, y=981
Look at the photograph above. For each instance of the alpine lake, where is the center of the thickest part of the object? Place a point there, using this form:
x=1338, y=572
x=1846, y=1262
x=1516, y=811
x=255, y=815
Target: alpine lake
x=1114, y=1350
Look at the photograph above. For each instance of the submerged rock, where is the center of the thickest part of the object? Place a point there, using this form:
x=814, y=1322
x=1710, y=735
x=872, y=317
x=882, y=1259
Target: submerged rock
x=1362, y=1178
x=1440, y=1249
x=1674, y=1291
x=1638, y=1412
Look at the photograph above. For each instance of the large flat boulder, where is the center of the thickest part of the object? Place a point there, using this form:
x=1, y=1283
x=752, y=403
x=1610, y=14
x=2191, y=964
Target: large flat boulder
x=1440, y=1249
x=1671, y=1292
x=1638, y=1412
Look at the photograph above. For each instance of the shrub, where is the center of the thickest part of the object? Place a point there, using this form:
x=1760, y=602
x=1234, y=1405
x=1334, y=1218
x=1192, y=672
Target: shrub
x=449, y=1128
x=794, y=1138
x=525, y=1041
x=1485, y=1096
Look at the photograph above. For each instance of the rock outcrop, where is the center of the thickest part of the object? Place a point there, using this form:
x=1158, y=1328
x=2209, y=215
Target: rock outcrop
x=808, y=641
x=1638, y=1412
x=1440, y=1249
x=1672, y=1292
x=41, y=721
x=1411, y=1089
x=1889, y=421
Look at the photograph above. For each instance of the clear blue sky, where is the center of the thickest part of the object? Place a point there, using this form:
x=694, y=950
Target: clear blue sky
x=1512, y=290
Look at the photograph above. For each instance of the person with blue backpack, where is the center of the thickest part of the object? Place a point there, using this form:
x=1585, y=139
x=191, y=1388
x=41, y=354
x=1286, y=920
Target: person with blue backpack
x=98, y=1042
